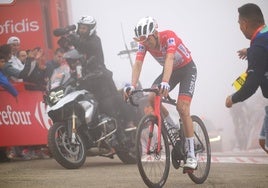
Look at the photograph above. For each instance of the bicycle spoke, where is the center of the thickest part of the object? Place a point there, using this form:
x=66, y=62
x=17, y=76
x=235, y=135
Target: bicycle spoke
x=153, y=165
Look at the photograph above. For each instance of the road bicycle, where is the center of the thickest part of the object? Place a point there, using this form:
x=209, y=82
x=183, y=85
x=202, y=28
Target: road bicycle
x=154, y=142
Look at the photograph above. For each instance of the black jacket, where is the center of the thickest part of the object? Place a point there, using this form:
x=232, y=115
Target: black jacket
x=257, y=71
x=91, y=46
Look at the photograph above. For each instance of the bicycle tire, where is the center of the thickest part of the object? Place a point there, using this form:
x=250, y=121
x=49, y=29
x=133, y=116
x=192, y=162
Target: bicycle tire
x=154, y=169
x=202, y=151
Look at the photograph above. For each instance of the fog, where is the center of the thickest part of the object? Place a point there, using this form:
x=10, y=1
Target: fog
x=208, y=28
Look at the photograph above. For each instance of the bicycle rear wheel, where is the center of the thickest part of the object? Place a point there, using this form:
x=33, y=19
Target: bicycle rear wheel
x=202, y=151
x=153, y=166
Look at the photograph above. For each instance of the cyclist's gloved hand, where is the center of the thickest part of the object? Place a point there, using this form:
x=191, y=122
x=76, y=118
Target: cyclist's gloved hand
x=127, y=91
x=164, y=88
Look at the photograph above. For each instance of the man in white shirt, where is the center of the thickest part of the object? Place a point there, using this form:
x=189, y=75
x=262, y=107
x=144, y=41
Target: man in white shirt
x=14, y=42
x=14, y=66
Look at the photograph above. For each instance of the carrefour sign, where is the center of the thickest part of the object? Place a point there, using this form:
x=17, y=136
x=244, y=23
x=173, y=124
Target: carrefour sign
x=23, y=121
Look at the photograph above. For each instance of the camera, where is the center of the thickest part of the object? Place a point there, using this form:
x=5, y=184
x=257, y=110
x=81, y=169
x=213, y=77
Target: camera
x=67, y=36
x=63, y=31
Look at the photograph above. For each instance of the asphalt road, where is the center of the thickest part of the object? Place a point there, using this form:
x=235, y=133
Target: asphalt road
x=100, y=172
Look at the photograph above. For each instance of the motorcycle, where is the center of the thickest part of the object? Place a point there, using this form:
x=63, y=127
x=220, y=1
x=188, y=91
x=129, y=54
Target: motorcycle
x=79, y=129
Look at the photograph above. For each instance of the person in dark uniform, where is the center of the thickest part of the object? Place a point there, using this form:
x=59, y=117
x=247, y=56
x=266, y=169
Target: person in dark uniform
x=252, y=25
x=88, y=43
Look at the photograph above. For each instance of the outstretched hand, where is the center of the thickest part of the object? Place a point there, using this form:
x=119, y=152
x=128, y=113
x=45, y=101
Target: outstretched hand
x=229, y=102
x=242, y=54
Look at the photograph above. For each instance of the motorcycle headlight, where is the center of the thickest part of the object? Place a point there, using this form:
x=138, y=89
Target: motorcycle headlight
x=55, y=96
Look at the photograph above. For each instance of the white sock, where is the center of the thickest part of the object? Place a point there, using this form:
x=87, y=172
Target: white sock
x=190, y=147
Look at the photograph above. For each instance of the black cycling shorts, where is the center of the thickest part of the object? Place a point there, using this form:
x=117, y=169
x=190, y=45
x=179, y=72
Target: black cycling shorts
x=186, y=76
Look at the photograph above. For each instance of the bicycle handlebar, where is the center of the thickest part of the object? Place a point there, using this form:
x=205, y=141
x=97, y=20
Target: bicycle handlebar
x=167, y=99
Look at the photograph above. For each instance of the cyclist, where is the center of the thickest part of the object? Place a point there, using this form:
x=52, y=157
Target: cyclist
x=252, y=25
x=178, y=67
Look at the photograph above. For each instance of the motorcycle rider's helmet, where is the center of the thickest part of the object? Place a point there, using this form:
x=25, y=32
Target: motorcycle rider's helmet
x=145, y=27
x=89, y=21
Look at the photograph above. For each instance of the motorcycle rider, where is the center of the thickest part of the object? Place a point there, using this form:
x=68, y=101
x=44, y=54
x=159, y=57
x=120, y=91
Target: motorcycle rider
x=88, y=43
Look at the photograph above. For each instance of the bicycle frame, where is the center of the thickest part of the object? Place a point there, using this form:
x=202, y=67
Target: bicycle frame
x=157, y=112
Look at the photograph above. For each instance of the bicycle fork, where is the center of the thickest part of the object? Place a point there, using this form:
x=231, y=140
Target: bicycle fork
x=151, y=127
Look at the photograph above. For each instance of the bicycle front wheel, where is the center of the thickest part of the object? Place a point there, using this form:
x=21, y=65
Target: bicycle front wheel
x=153, y=161
x=202, y=151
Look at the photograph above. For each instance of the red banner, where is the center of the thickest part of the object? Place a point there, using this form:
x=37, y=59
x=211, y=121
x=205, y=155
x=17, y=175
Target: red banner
x=23, y=121
x=24, y=20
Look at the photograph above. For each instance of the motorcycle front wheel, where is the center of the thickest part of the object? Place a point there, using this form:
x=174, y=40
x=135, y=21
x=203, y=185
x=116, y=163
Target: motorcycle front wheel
x=68, y=154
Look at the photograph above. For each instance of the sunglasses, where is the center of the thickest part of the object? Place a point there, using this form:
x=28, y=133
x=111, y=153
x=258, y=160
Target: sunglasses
x=140, y=39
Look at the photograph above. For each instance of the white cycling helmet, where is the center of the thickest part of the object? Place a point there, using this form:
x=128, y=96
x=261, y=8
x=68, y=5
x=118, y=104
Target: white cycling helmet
x=90, y=21
x=145, y=27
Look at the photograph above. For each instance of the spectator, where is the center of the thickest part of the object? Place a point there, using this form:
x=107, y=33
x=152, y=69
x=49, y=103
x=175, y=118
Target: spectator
x=22, y=56
x=14, y=42
x=5, y=51
x=35, y=78
x=55, y=62
x=56, y=77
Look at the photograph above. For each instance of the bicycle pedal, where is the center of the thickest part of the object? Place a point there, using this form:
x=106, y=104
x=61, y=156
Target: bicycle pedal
x=176, y=164
x=188, y=171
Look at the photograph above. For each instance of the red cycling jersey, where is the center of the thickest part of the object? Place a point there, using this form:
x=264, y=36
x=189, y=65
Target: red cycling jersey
x=169, y=43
